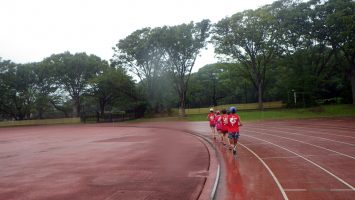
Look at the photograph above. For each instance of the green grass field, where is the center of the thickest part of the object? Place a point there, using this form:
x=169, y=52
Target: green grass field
x=247, y=106
x=246, y=115
x=40, y=122
x=299, y=113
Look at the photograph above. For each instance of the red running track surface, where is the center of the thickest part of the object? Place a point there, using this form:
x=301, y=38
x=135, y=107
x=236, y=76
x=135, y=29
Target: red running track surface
x=291, y=159
x=95, y=162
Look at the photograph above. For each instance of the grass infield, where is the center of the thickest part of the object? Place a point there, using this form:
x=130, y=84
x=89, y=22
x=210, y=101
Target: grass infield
x=246, y=115
x=299, y=113
x=40, y=122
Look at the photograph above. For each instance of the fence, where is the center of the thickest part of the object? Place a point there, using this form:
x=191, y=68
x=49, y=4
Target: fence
x=107, y=117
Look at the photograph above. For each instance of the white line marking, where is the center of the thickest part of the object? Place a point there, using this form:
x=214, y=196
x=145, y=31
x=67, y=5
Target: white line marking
x=310, y=136
x=215, y=183
x=305, y=190
x=295, y=190
x=339, y=179
x=280, y=157
x=340, y=190
x=312, y=131
x=305, y=143
x=269, y=170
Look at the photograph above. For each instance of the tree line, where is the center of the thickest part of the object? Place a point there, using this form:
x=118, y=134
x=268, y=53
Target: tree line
x=271, y=53
x=63, y=85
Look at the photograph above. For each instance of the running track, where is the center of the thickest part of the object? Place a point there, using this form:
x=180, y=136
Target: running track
x=298, y=159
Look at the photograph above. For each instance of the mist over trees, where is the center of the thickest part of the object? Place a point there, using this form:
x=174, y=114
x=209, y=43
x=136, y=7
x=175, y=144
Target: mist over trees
x=271, y=53
x=168, y=51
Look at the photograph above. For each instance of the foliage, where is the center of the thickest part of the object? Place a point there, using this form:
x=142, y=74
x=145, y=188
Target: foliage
x=182, y=45
x=249, y=37
x=111, y=86
x=140, y=54
x=17, y=90
x=73, y=72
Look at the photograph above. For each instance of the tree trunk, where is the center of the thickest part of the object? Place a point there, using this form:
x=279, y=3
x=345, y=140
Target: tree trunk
x=182, y=105
x=40, y=113
x=76, y=107
x=182, y=111
x=75, y=111
x=260, y=96
x=352, y=80
x=214, y=98
x=102, y=107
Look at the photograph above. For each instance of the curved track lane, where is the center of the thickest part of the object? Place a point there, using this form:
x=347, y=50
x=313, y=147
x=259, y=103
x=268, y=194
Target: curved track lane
x=299, y=159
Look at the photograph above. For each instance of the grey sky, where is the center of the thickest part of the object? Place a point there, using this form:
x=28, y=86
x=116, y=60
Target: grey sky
x=34, y=29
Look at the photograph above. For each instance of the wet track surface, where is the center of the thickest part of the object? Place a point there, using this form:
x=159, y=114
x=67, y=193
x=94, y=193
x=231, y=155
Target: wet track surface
x=88, y=162
x=295, y=159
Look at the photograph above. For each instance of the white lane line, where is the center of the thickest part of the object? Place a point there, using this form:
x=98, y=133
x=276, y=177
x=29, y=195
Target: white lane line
x=307, y=130
x=339, y=153
x=311, y=131
x=328, y=172
x=308, y=136
x=295, y=190
x=305, y=190
x=213, y=193
x=341, y=190
x=269, y=170
x=282, y=157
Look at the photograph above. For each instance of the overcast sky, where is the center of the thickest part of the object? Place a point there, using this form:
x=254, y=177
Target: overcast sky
x=34, y=29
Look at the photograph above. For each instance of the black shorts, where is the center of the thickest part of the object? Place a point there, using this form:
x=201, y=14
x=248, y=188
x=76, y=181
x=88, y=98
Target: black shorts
x=233, y=135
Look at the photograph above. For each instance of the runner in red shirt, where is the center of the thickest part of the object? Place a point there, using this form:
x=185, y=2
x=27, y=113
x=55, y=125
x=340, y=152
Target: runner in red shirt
x=233, y=129
x=224, y=126
x=218, y=124
x=211, y=118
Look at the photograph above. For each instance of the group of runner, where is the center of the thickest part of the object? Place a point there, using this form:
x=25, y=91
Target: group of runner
x=225, y=127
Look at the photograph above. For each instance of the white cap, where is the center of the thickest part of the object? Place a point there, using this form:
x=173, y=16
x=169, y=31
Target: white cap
x=211, y=109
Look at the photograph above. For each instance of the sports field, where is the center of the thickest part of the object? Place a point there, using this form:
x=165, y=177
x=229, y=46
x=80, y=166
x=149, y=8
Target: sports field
x=288, y=159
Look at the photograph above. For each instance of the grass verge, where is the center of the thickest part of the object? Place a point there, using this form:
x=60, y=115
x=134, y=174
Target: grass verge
x=40, y=122
x=299, y=113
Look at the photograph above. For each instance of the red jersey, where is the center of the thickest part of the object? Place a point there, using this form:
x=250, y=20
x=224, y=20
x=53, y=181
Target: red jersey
x=211, y=117
x=233, y=123
x=224, y=122
x=218, y=122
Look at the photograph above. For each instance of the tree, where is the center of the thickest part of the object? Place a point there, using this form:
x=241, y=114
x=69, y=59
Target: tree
x=338, y=18
x=209, y=84
x=17, y=89
x=249, y=37
x=140, y=54
x=310, y=38
x=112, y=86
x=219, y=83
x=45, y=88
x=182, y=45
x=73, y=73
